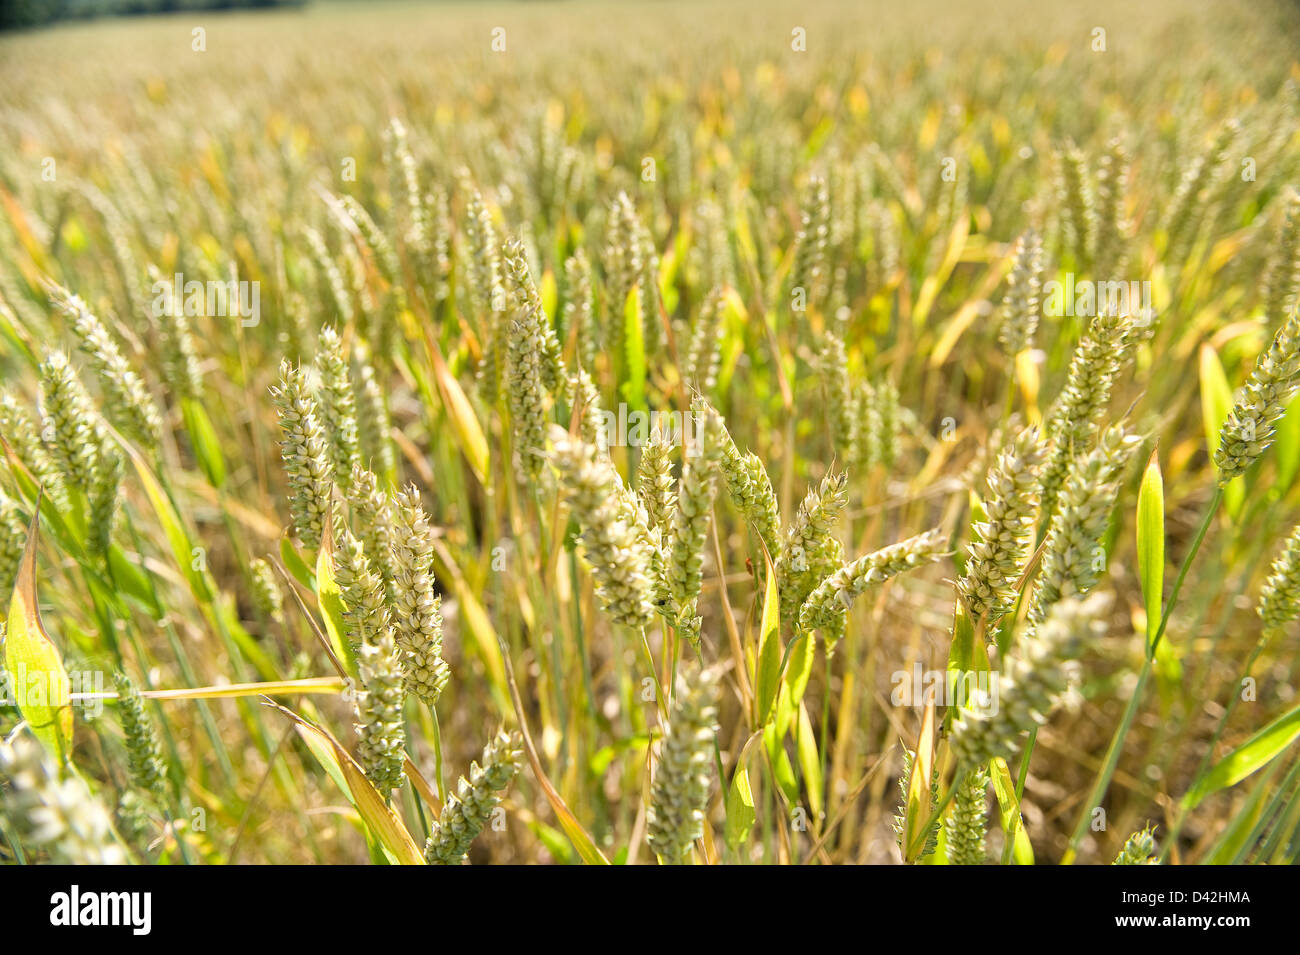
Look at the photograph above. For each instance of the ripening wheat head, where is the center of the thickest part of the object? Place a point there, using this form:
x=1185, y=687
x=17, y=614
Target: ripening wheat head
x=1036, y=678
x=54, y=809
x=619, y=555
x=468, y=810
x=304, y=449
x=1261, y=402
x=996, y=560
x=680, y=792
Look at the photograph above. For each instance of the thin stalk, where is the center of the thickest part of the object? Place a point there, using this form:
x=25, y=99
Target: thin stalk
x=1135, y=700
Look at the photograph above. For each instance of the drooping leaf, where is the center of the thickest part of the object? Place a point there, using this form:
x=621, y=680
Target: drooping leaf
x=379, y=817
x=40, y=683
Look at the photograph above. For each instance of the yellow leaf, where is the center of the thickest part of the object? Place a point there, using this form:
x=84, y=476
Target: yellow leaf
x=469, y=433
x=379, y=817
x=227, y=691
x=932, y=285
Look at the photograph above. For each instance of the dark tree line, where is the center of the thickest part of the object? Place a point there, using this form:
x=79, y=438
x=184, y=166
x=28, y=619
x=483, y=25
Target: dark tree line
x=16, y=14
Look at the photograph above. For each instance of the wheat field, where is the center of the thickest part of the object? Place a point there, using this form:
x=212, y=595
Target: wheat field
x=642, y=433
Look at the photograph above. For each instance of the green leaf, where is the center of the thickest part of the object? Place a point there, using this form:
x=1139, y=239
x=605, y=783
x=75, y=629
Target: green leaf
x=818, y=137
x=782, y=770
x=71, y=535
x=740, y=800
x=810, y=763
x=41, y=686
x=1004, y=787
x=329, y=599
x=1216, y=397
x=961, y=654
x=130, y=578
x=768, y=679
x=735, y=318
x=799, y=658
x=1251, y=756
x=601, y=760
x=294, y=564
x=223, y=615
x=178, y=537
x=634, y=366
x=17, y=342
x=1235, y=841
x=555, y=842
x=70, y=531
x=1151, y=543
x=207, y=446
x=1286, y=448
x=669, y=263
x=919, y=805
